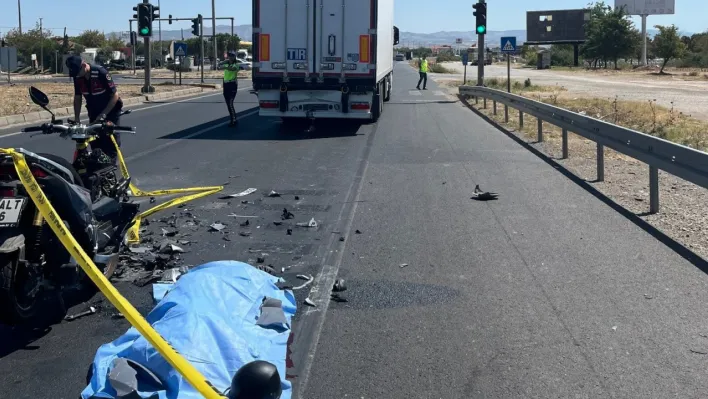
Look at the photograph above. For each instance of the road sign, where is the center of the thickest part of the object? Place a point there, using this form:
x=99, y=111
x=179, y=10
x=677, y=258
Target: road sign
x=458, y=40
x=180, y=49
x=508, y=44
x=465, y=58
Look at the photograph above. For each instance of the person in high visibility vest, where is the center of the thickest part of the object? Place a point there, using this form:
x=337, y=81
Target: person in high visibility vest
x=423, y=70
x=231, y=68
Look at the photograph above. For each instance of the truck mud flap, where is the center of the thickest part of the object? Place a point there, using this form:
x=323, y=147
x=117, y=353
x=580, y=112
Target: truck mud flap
x=345, y=100
x=283, y=99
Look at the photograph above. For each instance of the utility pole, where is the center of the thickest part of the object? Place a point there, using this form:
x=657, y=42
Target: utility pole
x=41, y=45
x=19, y=15
x=159, y=33
x=213, y=31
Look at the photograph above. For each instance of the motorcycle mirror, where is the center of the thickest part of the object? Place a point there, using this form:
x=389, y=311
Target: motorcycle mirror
x=38, y=97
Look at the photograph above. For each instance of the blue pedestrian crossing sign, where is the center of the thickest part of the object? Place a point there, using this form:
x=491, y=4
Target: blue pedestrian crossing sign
x=465, y=58
x=180, y=49
x=508, y=44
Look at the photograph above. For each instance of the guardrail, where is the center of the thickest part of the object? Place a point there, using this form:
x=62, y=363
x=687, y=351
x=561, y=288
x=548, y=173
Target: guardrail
x=684, y=162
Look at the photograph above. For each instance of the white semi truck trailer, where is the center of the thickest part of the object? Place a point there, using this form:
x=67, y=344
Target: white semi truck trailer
x=323, y=58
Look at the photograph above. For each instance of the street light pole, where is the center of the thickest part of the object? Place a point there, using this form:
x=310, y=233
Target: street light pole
x=19, y=15
x=159, y=30
x=213, y=31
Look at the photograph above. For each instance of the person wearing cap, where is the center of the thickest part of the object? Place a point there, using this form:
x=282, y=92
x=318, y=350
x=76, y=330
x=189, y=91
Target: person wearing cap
x=231, y=68
x=103, y=103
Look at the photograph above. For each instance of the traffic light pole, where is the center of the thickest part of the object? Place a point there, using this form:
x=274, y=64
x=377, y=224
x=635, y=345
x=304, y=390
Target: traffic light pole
x=480, y=60
x=147, y=88
x=201, y=46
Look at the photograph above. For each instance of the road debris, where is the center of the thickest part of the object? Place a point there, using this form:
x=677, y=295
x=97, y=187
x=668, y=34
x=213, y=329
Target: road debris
x=273, y=194
x=402, y=265
x=341, y=238
x=287, y=214
x=246, y=223
x=289, y=232
x=309, y=302
x=480, y=195
x=357, y=232
x=338, y=298
x=339, y=285
x=311, y=223
x=117, y=316
x=297, y=198
x=309, y=279
x=260, y=259
x=241, y=194
x=139, y=250
x=152, y=200
x=217, y=227
x=278, y=223
x=244, y=233
x=233, y=215
x=91, y=310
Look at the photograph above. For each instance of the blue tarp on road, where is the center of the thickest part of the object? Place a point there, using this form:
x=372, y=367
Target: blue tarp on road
x=209, y=317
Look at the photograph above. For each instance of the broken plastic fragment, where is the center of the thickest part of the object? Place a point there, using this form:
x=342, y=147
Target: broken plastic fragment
x=123, y=378
x=404, y=265
x=358, y=232
x=480, y=195
x=241, y=194
x=217, y=227
x=297, y=198
x=339, y=285
x=309, y=279
x=139, y=250
x=309, y=302
x=245, y=233
x=287, y=214
x=273, y=194
x=338, y=298
x=311, y=223
x=290, y=232
x=246, y=223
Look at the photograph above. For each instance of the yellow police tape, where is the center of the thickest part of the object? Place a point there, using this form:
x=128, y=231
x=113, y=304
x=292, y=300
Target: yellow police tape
x=192, y=375
x=133, y=236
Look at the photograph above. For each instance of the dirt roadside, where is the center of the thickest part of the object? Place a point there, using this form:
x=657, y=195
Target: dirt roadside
x=683, y=214
x=16, y=101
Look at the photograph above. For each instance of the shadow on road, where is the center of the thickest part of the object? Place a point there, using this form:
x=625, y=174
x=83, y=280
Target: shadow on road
x=255, y=128
x=20, y=338
x=674, y=245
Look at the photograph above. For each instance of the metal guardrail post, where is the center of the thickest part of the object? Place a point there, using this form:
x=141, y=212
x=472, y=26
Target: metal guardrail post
x=521, y=119
x=506, y=113
x=484, y=102
x=600, y=162
x=540, y=130
x=494, y=104
x=565, y=143
x=476, y=100
x=653, y=189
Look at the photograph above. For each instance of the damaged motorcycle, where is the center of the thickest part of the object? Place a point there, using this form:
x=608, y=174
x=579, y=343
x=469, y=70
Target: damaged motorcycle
x=91, y=197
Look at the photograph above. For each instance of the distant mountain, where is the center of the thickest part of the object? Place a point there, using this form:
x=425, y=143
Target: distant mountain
x=407, y=39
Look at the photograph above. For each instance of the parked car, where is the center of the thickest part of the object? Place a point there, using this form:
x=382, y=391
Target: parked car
x=400, y=57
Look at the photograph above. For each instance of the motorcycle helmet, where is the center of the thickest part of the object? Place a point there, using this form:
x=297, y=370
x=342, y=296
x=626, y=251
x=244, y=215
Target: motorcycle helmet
x=256, y=380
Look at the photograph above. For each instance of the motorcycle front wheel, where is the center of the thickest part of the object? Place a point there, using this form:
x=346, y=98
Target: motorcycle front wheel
x=18, y=302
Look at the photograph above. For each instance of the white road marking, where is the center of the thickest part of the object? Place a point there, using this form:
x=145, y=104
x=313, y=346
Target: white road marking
x=415, y=93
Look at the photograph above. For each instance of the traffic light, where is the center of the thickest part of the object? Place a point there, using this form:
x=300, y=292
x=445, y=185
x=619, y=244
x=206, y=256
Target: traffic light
x=133, y=38
x=196, y=25
x=481, y=17
x=144, y=21
x=154, y=12
x=170, y=21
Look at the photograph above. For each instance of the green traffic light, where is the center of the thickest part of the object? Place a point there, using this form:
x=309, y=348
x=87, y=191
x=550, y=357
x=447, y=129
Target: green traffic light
x=144, y=31
x=481, y=29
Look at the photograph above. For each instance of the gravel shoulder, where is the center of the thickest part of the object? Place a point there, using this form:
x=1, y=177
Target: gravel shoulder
x=688, y=96
x=682, y=216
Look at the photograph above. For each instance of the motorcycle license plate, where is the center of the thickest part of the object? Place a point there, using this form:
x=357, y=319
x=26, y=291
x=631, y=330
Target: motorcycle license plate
x=11, y=211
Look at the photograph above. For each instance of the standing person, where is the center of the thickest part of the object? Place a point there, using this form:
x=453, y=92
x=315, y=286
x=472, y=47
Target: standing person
x=103, y=103
x=231, y=68
x=423, y=71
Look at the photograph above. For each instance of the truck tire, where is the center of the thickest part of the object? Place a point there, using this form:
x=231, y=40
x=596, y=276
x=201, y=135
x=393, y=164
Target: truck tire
x=389, y=87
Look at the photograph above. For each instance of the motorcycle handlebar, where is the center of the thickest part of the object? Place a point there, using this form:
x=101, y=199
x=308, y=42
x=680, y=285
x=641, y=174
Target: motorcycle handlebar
x=49, y=128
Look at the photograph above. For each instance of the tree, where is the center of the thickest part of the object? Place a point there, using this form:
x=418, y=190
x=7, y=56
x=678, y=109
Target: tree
x=668, y=44
x=34, y=41
x=113, y=43
x=91, y=38
x=611, y=35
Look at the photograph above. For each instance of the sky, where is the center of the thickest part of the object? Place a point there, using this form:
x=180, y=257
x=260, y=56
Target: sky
x=420, y=16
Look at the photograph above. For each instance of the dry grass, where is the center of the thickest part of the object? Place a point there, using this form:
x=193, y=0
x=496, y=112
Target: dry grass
x=526, y=87
x=15, y=98
x=646, y=117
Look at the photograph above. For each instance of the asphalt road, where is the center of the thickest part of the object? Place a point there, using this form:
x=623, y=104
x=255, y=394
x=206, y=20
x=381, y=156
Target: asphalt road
x=546, y=292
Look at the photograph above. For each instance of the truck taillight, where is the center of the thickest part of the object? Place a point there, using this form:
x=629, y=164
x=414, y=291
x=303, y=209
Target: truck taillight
x=360, y=106
x=269, y=104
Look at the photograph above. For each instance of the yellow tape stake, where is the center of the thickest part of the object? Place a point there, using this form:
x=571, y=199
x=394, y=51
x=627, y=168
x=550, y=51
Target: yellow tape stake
x=191, y=374
x=133, y=234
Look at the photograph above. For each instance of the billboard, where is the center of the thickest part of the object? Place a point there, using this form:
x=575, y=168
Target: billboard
x=556, y=26
x=458, y=40
x=647, y=7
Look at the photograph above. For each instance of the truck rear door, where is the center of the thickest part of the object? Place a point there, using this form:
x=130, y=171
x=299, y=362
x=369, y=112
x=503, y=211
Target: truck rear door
x=283, y=37
x=343, y=40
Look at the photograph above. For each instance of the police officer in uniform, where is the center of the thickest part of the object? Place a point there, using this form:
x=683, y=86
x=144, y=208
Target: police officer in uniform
x=103, y=103
x=231, y=69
